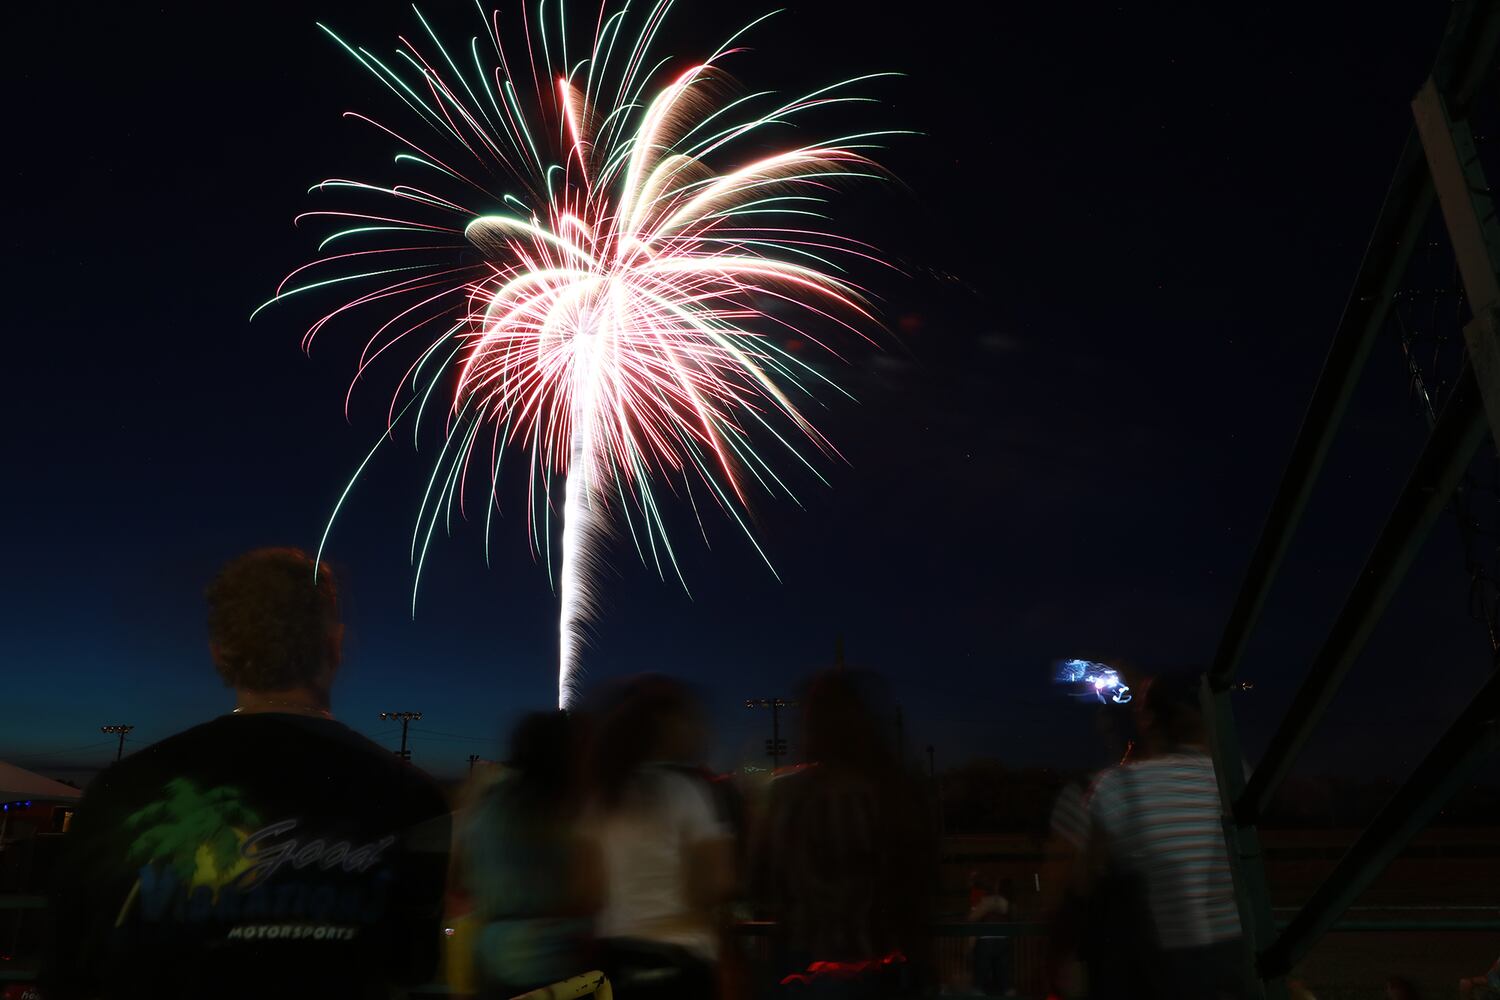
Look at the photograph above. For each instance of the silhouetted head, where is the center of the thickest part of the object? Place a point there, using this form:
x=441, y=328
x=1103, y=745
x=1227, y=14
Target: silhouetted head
x=648, y=718
x=1170, y=710
x=848, y=722
x=272, y=626
x=544, y=755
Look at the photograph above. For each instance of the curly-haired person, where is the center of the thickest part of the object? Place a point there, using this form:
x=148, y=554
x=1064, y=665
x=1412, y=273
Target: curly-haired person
x=271, y=851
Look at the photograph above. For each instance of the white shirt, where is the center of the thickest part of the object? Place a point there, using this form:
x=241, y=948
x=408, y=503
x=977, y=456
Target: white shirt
x=644, y=844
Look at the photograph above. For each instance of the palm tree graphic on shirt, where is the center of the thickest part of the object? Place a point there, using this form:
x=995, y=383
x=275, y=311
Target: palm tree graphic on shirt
x=194, y=832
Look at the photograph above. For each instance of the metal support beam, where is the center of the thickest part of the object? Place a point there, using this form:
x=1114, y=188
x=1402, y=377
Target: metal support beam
x=1459, y=431
x=1463, y=193
x=1469, y=213
x=1475, y=735
x=1465, y=58
x=1407, y=205
x=1466, y=54
x=1462, y=70
x=1246, y=859
x=1482, y=338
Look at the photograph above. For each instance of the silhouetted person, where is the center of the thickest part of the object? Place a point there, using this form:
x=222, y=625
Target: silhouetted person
x=1155, y=835
x=1486, y=987
x=667, y=853
x=845, y=858
x=533, y=878
x=1084, y=924
x=991, y=952
x=269, y=852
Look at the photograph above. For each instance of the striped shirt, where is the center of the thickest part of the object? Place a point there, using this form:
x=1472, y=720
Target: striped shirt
x=1162, y=819
x=1070, y=817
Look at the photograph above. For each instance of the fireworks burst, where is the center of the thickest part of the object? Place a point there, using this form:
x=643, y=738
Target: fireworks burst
x=602, y=283
x=1097, y=679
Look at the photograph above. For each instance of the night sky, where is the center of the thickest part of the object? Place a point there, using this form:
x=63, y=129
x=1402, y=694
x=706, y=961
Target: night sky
x=1127, y=234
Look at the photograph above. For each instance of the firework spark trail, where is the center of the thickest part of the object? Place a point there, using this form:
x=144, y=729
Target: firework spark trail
x=580, y=531
x=617, y=322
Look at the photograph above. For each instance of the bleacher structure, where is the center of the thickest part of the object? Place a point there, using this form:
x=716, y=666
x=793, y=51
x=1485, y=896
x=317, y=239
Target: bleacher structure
x=1439, y=197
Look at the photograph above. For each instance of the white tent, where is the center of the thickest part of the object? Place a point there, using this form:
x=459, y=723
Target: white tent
x=20, y=785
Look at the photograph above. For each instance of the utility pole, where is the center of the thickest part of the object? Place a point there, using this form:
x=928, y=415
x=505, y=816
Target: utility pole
x=121, y=731
x=931, y=762
x=775, y=746
x=473, y=759
x=406, y=719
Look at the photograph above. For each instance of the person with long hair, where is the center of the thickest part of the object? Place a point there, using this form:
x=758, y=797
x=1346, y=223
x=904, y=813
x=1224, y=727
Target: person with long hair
x=532, y=877
x=845, y=856
x=667, y=854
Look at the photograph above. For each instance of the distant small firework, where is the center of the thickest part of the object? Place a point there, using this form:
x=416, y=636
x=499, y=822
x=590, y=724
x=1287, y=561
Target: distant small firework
x=1097, y=679
x=594, y=257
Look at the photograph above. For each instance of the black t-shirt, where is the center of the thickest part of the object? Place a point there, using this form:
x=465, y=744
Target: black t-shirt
x=264, y=855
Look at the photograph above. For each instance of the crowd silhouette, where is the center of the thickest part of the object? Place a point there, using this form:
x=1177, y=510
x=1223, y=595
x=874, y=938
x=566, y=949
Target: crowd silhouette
x=274, y=852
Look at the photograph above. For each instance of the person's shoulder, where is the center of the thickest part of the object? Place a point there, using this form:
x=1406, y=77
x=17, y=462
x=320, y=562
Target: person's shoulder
x=340, y=735
x=322, y=734
x=341, y=750
x=417, y=784
x=185, y=742
x=686, y=792
x=797, y=776
x=817, y=779
x=1177, y=764
x=819, y=786
x=163, y=756
x=682, y=781
x=277, y=733
x=1109, y=785
x=496, y=797
x=1107, y=780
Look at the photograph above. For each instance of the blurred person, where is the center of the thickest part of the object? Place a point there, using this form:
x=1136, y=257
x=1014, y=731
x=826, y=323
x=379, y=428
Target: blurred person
x=992, y=953
x=845, y=858
x=1486, y=987
x=1156, y=860
x=532, y=879
x=667, y=855
x=269, y=852
x=1094, y=931
x=976, y=888
x=1099, y=933
x=1069, y=919
x=733, y=809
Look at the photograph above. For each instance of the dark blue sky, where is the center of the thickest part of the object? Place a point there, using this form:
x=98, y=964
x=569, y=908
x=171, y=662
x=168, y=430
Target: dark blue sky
x=1129, y=231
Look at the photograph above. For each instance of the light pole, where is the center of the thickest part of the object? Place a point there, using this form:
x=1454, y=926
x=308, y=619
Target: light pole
x=775, y=746
x=121, y=731
x=406, y=719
